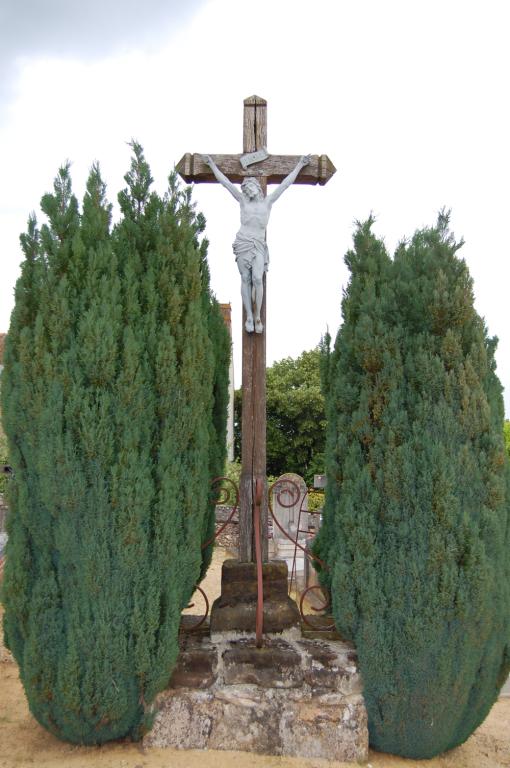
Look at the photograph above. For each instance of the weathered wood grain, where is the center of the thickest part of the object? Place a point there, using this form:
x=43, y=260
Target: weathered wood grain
x=254, y=124
x=253, y=443
x=192, y=168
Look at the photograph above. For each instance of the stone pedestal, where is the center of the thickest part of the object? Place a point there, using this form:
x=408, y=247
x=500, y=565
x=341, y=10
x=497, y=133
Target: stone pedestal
x=234, y=610
x=297, y=697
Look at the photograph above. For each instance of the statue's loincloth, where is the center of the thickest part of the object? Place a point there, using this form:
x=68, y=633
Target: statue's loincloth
x=251, y=251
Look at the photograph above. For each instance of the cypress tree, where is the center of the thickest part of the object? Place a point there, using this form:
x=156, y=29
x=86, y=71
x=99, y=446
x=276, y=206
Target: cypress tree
x=416, y=522
x=113, y=417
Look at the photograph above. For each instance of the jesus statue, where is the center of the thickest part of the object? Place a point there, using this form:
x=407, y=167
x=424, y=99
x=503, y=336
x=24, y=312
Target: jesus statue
x=250, y=247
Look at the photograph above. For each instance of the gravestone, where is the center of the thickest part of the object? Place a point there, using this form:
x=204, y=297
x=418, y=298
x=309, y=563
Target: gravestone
x=290, y=508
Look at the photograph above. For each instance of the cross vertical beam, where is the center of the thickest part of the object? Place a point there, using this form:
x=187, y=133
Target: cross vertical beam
x=269, y=169
x=253, y=445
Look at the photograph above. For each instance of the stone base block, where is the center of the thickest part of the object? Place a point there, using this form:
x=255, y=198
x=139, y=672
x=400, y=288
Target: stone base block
x=299, y=697
x=235, y=609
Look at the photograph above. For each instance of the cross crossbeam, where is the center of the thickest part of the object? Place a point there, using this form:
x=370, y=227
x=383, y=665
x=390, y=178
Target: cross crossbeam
x=192, y=168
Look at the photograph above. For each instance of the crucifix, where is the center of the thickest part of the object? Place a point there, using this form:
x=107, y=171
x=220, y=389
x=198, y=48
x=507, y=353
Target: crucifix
x=254, y=169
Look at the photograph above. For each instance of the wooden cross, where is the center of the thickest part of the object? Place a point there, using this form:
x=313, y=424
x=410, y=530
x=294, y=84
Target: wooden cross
x=271, y=170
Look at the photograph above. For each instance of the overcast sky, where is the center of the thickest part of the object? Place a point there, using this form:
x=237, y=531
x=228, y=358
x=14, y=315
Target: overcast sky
x=408, y=98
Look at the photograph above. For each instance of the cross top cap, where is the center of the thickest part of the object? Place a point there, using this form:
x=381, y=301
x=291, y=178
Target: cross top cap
x=255, y=101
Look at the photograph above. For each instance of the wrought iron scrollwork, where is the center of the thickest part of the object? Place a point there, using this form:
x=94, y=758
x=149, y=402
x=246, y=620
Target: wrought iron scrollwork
x=223, y=491
x=288, y=487
x=289, y=495
x=194, y=625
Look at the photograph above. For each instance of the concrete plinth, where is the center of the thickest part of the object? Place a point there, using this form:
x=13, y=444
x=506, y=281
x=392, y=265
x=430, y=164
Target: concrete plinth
x=298, y=697
x=235, y=609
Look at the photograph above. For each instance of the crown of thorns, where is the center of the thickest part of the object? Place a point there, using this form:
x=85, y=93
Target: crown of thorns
x=250, y=180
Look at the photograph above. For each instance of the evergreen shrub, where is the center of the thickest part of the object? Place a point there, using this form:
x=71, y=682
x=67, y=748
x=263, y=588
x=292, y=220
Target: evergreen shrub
x=416, y=521
x=3, y=454
x=114, y=401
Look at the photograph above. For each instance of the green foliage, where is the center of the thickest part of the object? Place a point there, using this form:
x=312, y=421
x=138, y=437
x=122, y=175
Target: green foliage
x=3, y=456
x=233, y=472
x=507, y=436
x=295, y=417
x=315, y=500
x=221, y=346
x=416, y=522
x=114, y=408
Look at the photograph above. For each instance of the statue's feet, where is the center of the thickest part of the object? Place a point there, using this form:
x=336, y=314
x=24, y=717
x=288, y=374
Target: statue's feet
x=249, y=325
x=258, y=326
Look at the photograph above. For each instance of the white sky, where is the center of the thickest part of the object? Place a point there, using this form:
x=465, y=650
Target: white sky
x=409, y=98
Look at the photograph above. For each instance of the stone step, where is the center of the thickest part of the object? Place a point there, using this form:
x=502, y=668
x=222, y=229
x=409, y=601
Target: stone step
x=235, y=609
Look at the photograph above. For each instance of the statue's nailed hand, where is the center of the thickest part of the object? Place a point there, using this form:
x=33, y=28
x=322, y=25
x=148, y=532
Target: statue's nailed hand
x=207, y=160
x=305, y=160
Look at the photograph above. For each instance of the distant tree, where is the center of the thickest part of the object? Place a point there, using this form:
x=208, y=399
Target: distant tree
x=416, y=524
x=114, y=409
x=295, y=417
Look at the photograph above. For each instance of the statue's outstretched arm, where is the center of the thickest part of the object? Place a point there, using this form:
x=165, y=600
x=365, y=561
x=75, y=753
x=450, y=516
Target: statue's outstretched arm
x=290, y=179
x=222, y=178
